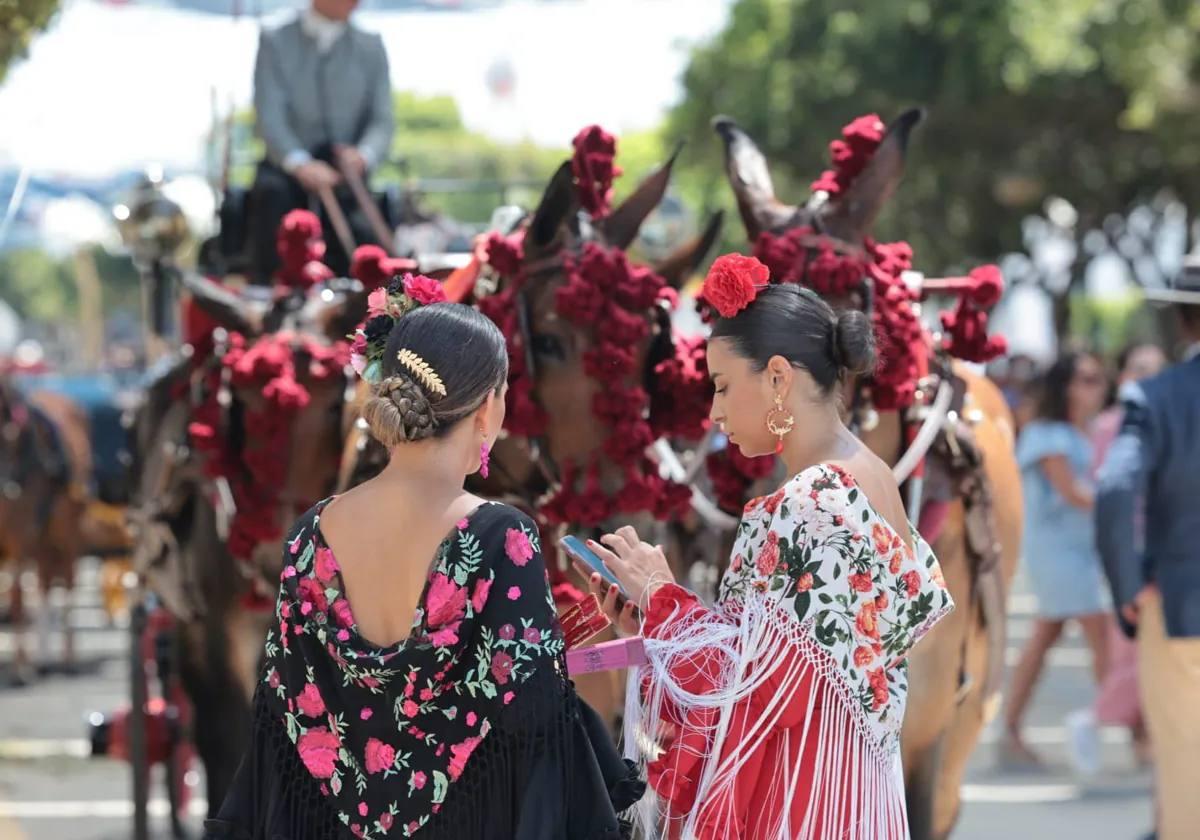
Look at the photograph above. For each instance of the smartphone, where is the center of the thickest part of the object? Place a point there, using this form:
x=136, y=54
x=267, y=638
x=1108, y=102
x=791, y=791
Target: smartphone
x=578, y=550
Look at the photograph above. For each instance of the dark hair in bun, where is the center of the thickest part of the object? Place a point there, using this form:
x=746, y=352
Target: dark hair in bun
x=792, y=321
x=462, y=347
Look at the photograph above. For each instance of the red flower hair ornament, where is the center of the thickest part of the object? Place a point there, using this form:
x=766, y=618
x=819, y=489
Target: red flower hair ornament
x=733, y=283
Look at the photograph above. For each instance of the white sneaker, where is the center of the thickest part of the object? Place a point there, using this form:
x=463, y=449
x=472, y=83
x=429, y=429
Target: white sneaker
x=1083, y=742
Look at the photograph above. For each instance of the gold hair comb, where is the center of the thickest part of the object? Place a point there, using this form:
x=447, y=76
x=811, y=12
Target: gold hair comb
x=421, y=369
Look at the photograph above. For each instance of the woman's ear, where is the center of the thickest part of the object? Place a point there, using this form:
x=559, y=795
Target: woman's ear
x=780, y=375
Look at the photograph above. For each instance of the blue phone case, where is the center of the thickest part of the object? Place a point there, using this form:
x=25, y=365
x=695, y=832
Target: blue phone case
x=578, y=549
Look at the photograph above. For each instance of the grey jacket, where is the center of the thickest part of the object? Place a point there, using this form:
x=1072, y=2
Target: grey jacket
x=1148, y=504
x=303, y=98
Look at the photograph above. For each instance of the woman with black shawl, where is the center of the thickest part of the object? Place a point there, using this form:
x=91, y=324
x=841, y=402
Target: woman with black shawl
x=461, y=723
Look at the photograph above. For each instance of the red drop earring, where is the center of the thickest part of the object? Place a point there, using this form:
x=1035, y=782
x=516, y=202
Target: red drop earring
x=779, y=422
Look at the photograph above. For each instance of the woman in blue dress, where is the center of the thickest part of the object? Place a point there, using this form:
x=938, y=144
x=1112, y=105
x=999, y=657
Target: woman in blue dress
x=1055, y=455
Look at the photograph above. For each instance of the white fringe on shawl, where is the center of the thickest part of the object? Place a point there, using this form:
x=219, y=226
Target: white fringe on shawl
x=747, y=645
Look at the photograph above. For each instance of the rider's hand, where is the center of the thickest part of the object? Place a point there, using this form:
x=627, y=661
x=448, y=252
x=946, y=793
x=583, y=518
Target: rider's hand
x=316, y=175
x=351, y=159
x=625, y=617
x=639, y=566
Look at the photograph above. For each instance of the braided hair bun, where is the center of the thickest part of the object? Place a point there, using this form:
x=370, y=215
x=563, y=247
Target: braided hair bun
x=439, y=365
x=399, y=411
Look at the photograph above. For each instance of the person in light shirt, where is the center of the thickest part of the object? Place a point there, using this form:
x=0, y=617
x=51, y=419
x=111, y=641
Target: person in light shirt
x=323, y=105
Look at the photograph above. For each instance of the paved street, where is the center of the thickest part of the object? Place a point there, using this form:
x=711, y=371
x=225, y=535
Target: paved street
x=51, y=790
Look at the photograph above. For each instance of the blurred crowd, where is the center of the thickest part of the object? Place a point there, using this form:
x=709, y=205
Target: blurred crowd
x=1108, y=454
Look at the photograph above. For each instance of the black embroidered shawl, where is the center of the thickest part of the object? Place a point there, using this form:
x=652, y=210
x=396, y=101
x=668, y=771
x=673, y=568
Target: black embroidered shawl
x=469, y=728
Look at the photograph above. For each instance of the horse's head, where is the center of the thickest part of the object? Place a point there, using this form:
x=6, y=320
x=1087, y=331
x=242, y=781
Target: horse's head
x=271, y=422
x=586, y=330
x=826, y=243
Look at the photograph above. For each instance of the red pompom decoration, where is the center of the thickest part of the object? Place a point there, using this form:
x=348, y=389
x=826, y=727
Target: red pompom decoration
x=372, y=267
x=732, y=283
x=594, y=169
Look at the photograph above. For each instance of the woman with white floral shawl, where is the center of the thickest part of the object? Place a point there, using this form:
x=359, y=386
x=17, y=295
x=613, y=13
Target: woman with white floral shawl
x=776, y=712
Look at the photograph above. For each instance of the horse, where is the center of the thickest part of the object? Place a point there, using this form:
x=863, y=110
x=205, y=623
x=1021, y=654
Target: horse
x=215, y=497
x=972, y=494
x=45, y=464
x=532, y=463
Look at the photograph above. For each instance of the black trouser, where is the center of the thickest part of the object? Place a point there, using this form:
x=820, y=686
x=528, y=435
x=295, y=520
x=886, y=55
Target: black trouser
x=276, y=193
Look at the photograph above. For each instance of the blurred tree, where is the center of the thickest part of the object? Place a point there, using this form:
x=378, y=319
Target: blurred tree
x=1094, y=101
x=41, y=287
x=20, y=20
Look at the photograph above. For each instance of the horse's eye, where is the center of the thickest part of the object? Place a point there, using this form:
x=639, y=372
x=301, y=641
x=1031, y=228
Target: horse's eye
x=548, y=346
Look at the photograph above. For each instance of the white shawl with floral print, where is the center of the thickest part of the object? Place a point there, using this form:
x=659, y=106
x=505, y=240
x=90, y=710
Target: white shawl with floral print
x=821, y=593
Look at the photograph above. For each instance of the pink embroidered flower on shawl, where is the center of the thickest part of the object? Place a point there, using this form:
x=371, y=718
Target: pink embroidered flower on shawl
x=447, y=601
x=310, y=702
x=445, y=636
x=517, y=546
x=341, y=611
x=379, y=756
x=311, y=592
x=319, y=751
x=502, y=665
x=479, y=596
x=326, y=566
x=459, y=753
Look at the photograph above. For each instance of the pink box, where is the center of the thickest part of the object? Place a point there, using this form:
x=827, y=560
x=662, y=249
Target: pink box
x=606, y=656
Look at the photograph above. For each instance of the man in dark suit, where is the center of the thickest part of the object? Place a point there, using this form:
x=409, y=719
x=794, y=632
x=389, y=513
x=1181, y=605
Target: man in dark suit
x=323, y=103
x=1148, y=534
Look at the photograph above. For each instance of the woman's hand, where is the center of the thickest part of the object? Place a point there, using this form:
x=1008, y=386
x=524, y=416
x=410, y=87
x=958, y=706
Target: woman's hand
x=639, y=566
x=624, y=617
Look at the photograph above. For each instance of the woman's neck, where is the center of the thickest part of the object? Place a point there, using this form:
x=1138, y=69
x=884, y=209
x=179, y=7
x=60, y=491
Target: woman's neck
x=427, y=471
x=826, y=438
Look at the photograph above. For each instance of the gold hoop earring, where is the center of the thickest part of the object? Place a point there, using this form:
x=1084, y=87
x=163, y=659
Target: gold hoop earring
x=780, y=422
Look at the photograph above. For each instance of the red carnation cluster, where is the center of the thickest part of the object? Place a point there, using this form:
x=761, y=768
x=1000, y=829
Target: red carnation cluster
x=505, y=254
x=902, y=343
x=258, y=471
x=732, y=474
x=792, y=259
x=523, y=415
x=683, y=392
x=594, y=169
x=301, y=247
x=733, y=282
x=851, y=154
x=586, y=507
x=966, y=336
x=372, y=267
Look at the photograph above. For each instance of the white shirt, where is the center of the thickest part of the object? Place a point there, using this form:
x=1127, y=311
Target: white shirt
x=1192, y=351
x=321, y=29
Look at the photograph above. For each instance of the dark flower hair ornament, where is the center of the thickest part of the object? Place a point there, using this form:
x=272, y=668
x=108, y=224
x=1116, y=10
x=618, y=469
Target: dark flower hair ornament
x=385, y=306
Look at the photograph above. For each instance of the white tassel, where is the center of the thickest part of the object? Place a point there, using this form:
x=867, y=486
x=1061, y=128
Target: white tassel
x=748, y=643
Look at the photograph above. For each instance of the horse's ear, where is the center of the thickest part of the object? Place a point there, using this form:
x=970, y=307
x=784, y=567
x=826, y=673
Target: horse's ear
x=850, y=215
x=339, y=307
x=226, y=307
x=676, y=268
x=621, y=226
x=751, y=181
x=557, y=204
